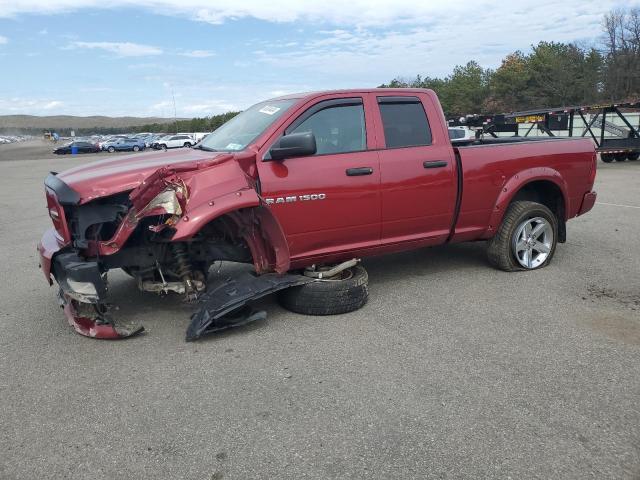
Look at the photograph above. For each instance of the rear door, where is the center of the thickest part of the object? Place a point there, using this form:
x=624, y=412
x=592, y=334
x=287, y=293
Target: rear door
x=328, y=202
x=418, y=180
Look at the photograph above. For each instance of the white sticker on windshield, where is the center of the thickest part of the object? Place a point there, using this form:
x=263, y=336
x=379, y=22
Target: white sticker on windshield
x=269, y=109
x=233, y=146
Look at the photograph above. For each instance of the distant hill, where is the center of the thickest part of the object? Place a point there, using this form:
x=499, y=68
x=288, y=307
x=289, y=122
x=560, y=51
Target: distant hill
x=20, y=122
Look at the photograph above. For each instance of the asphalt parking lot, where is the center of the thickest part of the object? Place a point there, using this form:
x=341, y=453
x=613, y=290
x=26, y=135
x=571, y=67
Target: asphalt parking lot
x=452, y=370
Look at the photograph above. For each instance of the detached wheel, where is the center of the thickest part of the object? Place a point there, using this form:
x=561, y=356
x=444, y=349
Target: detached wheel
x=346, y=292
x=607, y=157
x=526, y=239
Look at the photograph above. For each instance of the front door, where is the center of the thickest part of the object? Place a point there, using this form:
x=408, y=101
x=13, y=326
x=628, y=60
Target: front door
x=330, y=201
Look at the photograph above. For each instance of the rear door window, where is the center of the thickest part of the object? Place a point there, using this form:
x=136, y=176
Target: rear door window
x=405, y=122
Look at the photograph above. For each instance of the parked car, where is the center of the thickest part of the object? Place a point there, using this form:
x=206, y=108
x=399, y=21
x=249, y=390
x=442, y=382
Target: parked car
x=79, y=146
x=156, y=142
x=109, y=139
x=174, y=141
x=153, y=139
x=124, y=145
x=301, y=187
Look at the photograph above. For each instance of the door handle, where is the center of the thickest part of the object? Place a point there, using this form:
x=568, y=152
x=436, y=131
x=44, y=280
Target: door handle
x=354, y=172
x=436, y=164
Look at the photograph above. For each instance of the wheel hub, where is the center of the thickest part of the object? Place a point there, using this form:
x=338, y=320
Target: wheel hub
x=532, y=242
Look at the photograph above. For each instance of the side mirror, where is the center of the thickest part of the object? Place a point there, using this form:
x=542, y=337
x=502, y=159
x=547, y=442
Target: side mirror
x=294, y=145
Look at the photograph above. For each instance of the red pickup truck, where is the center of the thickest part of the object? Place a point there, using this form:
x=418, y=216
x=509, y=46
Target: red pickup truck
x=302, y=186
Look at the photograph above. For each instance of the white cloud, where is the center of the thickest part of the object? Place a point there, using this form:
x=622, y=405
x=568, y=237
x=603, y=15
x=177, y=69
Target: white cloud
x=198, y=54
x=336, y=12
x=209, y=107
x=369, y=55
x=28, y=106
x=121, y=49
x=161, y=105
x=44, y=31
x=3, y=40
x=52, y=104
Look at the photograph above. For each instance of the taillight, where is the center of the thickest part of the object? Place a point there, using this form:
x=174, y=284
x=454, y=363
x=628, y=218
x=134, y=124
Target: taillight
x=594, y=167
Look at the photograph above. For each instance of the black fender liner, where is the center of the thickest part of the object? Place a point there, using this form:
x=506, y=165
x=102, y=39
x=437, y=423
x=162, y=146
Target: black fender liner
x=222, y=307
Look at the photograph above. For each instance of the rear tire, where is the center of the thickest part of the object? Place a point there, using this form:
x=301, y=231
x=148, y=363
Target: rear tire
x=606, y=157
x=329, y=297
x=620, y=157
x=136, y=148
x=633, y=156
x=187, y=145
x=507, y=250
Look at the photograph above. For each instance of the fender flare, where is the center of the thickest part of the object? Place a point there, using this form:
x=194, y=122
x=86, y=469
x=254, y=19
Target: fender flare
x=512, y=186
x=255, y=223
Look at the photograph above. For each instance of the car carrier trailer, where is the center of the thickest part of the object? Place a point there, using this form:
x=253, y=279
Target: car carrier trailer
x=613, y=141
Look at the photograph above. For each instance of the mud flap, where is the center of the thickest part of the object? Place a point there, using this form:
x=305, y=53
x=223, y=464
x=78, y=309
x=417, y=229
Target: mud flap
x=226, y=306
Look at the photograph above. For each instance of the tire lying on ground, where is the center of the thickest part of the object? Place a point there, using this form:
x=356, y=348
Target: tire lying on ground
x=526, y=239
x=346, y=292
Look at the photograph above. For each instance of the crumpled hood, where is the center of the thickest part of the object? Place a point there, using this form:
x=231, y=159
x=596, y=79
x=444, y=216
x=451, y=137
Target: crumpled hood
x=108, y=177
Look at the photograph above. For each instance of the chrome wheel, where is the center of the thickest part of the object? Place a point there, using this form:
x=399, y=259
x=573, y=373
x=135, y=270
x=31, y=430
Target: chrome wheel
x=532, y=242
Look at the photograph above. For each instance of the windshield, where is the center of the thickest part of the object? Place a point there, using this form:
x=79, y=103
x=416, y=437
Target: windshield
x=245, y=127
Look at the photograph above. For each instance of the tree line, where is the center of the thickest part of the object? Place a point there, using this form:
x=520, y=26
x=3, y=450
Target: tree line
x=205, y=124
x=552, y=74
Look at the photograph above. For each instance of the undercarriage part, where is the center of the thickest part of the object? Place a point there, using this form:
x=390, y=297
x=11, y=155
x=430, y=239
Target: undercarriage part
x=165, y=287
x=93, y=320
x=344, y=292
x=184, y=270
x=328, y=272
x=221, y=307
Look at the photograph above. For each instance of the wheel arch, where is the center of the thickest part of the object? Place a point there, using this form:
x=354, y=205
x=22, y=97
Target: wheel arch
x=541, y=185
x=252, y=222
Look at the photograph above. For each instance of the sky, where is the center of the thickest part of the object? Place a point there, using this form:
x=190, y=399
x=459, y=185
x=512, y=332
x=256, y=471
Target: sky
x=133, y=57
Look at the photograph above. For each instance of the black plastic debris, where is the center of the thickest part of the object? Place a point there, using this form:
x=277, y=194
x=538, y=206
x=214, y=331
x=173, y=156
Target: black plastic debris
x=226, y=306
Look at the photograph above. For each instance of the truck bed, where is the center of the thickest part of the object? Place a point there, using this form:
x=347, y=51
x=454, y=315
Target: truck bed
x=493, y=168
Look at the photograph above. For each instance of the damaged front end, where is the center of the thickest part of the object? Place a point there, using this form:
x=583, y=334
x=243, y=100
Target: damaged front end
x=166, y=233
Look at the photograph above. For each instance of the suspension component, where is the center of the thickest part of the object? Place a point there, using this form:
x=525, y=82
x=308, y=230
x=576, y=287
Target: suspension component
x=184, y=270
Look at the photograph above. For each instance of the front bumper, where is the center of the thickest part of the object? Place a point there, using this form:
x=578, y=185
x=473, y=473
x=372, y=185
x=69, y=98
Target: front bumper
x=588, y=202
x=83, y=290
x=79, y=279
